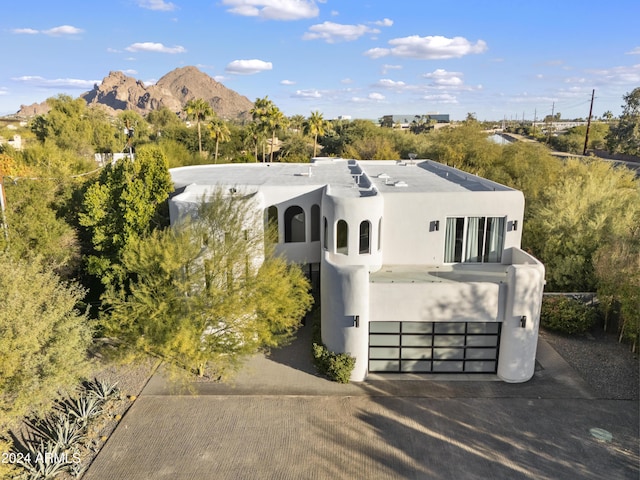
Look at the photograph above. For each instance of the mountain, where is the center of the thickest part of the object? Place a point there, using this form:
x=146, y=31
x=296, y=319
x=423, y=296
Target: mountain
x=120, y=92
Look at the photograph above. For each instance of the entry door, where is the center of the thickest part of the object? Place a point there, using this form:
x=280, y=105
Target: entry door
x=434, y=347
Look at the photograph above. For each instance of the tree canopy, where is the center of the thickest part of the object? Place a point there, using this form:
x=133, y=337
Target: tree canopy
x=204, y=294
x=122, y=205
x=624, y=137
x=44, y=340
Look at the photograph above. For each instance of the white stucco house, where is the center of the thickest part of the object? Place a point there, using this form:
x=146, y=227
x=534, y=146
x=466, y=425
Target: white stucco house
x=419, y=264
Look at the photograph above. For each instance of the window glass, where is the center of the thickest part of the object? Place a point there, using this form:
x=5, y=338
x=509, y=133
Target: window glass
x=315, y=223
x=474, y=239
x=342, y=237
x=365, y=231
x=325, y=239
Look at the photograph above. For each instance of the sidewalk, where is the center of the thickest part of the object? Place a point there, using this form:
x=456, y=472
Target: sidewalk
x=279, y=420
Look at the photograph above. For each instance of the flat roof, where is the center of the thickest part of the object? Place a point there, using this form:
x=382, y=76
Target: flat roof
x=348, y=178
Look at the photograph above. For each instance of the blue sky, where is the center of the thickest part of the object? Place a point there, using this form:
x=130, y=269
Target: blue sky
x=365, y=59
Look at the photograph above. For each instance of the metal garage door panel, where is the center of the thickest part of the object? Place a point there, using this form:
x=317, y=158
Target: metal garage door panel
x=438, y=347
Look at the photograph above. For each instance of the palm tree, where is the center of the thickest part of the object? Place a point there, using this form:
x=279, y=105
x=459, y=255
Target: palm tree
x=259, y=113
x=219, y=131
x=275, y=120
x=316, y=125
x=198, y=109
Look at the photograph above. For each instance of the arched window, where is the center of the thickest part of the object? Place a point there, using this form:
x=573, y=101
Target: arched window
x=325, y=236
x=315, y=223
x=342, y=237
x=365, y=235
x=294, y=224
x=380, y=234
x=271, y=222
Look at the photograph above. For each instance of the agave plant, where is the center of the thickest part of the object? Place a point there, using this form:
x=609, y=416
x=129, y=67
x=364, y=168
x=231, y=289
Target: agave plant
x=102, y=389
x=60, y=429
x=44, y=461
x=84, y=408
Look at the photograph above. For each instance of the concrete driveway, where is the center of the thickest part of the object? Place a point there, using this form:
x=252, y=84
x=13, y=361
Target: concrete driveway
x=278, y=420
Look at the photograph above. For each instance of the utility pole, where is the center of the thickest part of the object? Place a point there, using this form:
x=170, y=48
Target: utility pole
x=586, y=137
x=3, y=202
x=550, y=127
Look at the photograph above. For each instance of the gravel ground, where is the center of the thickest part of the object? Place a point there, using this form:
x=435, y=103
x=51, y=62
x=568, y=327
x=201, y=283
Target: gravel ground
x=609, y=367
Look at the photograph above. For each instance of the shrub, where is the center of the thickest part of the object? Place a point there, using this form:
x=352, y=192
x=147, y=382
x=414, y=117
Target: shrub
x=566, y=315
x=336, y=366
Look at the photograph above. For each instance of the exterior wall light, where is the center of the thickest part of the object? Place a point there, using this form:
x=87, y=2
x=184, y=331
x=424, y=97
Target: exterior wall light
x=434, y=226
x=356, y=321
x=515, y=225
x=523, y=321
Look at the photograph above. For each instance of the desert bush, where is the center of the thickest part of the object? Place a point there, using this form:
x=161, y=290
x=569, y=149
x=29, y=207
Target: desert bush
x=566, y=315
x=336, y=366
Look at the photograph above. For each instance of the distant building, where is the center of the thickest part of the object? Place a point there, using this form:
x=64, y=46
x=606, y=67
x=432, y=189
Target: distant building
x=14, y=142
x=419, y=264
x=405, y=121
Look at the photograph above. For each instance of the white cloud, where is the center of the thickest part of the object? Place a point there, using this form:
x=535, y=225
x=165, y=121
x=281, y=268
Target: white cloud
x=386, y=68
x=384, y=22
x=25, y=31
x=219, y=78
x=54, y=32
x=334, y=13
x=627, y=75
x=307, y=94
x=428, y=48
x=130, y=71
x=346, y=81
x=159, y=5
x=287, y=82
x=248, y=67
x=4, y=91
x=441, y=98
x=444, y=78
x=332, y=32
x=376, y=96
x=63, y=30
x=391, y=84
x=37, y=81
x=274, y=9
x=635, y=51
x=154, y=47
x=112, y=50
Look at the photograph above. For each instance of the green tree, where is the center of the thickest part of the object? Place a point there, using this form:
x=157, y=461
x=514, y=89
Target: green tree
x=590, y=203
x=275, y=121
x=198, y=109
x=617, y=267
x=625, y=136
x=122, y=205
x=260, y=116
x=316, y=126
x=72, y=126
x=465, y=147
x=219, y=131
x=44, y=341
x=200, y=297
x=36, y=229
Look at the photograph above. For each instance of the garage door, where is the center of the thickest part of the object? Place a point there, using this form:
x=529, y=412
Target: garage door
x=434, y=347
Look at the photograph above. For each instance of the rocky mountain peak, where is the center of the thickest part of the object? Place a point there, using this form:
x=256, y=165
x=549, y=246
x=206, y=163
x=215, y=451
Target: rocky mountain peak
x=117, y=92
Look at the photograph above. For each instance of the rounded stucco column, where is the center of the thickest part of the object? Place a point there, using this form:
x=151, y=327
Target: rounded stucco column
x=519, y=336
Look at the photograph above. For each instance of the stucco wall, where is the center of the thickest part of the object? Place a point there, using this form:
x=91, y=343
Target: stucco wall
x=408, y=217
